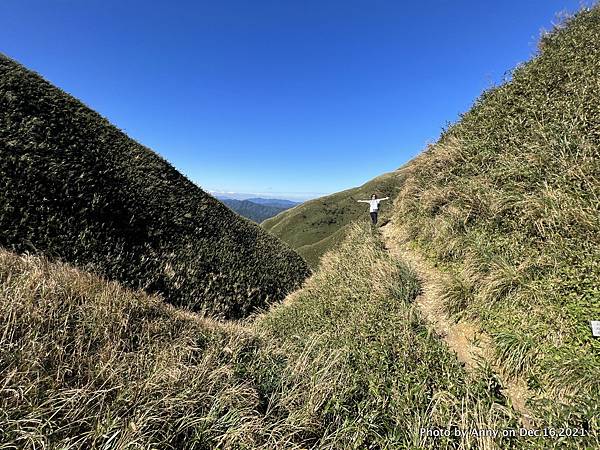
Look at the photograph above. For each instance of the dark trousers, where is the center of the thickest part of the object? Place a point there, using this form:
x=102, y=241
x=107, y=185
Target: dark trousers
x=374, y=218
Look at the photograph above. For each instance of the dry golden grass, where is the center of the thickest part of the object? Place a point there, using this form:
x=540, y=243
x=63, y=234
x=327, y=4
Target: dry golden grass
x=347, y=362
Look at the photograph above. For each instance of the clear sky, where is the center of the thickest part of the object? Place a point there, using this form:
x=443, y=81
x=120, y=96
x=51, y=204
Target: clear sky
x=289, y=98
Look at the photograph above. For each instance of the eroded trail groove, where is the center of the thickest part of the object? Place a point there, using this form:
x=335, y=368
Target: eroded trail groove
x=465, y=338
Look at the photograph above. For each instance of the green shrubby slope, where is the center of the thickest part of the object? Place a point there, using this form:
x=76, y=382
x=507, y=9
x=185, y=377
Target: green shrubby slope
x=319, y=225
x=508, y=201
x=73, y=186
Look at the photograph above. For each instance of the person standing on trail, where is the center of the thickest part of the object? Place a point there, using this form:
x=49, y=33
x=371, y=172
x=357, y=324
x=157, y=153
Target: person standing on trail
x=373, y=206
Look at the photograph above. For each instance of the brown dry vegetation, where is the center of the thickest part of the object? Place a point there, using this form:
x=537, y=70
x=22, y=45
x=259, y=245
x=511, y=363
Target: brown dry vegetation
x=346, y=363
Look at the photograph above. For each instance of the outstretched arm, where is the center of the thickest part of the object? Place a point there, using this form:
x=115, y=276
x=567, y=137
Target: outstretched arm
x=384, y=198
x=363, y=201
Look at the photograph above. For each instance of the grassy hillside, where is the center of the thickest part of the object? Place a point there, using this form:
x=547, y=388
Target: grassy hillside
x=76, y=188
x=88, y=364
x=508, y=202
x=319, y=225
x=253, y=211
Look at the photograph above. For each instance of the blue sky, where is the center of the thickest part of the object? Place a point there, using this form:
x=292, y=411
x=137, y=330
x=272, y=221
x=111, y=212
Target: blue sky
x=283, y=98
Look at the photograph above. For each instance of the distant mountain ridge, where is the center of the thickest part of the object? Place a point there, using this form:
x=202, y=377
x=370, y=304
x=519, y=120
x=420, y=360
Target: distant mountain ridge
x=279, y=203
x=257, y=209
x=253, y=211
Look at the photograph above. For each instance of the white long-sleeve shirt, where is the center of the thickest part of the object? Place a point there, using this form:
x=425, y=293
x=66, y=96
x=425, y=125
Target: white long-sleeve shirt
x=373, y=204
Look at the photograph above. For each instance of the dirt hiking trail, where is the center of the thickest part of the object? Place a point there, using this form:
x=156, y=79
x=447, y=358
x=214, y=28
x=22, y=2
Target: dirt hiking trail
x=471, y=345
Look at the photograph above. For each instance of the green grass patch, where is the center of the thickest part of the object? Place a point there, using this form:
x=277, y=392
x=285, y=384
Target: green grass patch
x=319, y=225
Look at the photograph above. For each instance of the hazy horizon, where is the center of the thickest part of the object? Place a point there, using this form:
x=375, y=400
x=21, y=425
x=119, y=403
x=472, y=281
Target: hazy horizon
x=292, y=196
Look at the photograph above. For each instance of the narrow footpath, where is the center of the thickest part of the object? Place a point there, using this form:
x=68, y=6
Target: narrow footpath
x=465, y=338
